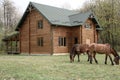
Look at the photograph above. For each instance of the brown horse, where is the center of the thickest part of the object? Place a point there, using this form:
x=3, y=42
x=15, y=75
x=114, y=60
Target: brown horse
x=78, y=49
x=103, y=49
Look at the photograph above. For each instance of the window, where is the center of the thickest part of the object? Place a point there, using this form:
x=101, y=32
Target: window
x=87, y=25
x=40, y=41
x=40, y=24
x=62, y=41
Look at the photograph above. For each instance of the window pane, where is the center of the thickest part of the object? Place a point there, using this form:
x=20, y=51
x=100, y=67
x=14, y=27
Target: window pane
x=59, y=41
x=40, y=24
x=87, y=25
x=64, y=41
x=40, y=41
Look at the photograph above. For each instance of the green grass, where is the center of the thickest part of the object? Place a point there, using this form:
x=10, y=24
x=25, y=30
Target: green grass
x=55, y=68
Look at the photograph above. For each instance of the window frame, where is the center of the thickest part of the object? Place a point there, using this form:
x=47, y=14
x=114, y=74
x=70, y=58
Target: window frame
x=40, y=24
x=40, y=41
x=62, y=41
x=87, y=26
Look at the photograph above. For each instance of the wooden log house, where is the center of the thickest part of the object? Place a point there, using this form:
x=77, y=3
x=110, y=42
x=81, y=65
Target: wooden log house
x=50, y=30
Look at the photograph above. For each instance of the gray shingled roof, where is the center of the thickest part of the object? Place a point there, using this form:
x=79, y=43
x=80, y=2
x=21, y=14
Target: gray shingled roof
x=79, y=19
x=58, y=16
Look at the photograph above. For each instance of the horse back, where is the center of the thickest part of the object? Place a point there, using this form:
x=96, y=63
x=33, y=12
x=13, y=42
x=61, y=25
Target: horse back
x=81, y=47
x=100, y=48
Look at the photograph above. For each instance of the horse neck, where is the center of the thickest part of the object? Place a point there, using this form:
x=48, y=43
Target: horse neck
x=115, y=54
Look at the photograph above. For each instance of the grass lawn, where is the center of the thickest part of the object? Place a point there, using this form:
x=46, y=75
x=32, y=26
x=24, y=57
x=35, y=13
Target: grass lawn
x=19, y=67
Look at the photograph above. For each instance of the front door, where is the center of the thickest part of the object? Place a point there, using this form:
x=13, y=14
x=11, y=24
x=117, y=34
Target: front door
x=75, y=40
x=87, y=41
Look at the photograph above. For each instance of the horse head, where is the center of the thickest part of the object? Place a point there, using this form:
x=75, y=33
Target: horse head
x=72, y=54
x=71, y=58
x=116, y=56
x=116, y=60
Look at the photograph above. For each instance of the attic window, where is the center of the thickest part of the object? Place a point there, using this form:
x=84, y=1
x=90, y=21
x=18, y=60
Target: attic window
x=87, y=25
x=40, y=24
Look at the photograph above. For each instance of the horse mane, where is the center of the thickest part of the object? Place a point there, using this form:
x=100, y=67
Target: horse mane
x=115, y=52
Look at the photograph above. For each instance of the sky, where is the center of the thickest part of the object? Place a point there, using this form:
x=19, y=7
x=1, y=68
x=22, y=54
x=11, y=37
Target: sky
x=71, y=4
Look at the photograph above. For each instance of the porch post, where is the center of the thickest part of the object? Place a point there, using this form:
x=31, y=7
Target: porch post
x=11, y=46
x=7, y=46
x=16, y=44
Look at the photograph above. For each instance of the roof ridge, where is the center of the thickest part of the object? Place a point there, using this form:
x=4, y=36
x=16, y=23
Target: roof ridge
x=52, y=6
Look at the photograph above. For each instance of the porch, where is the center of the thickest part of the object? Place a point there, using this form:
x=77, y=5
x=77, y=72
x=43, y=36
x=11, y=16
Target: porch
x=12, y=43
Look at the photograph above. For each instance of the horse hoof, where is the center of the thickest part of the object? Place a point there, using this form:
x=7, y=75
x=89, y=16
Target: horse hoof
x=90, y=62
x=96, y=62
x=105, y=63
x=112, y=64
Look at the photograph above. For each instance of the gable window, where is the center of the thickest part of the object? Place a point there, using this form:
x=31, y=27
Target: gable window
x=40, y=24
x=62, y=41
x=87, y=25
x=40, y=41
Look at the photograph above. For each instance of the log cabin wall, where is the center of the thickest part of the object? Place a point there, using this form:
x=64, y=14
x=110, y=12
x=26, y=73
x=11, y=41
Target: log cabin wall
x=69, y=33
x=24, y=36
x=89, y=35
x=29, y=34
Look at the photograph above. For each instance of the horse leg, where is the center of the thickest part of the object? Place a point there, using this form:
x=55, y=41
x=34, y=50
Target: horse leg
x=95, y=58
x=88, y=56
x=77, y=52
x=111, y=60
x=73, y=57
x=78, y=58
x=106, y=58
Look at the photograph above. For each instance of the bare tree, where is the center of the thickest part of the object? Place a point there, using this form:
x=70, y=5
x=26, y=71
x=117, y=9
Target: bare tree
x=10, y=16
